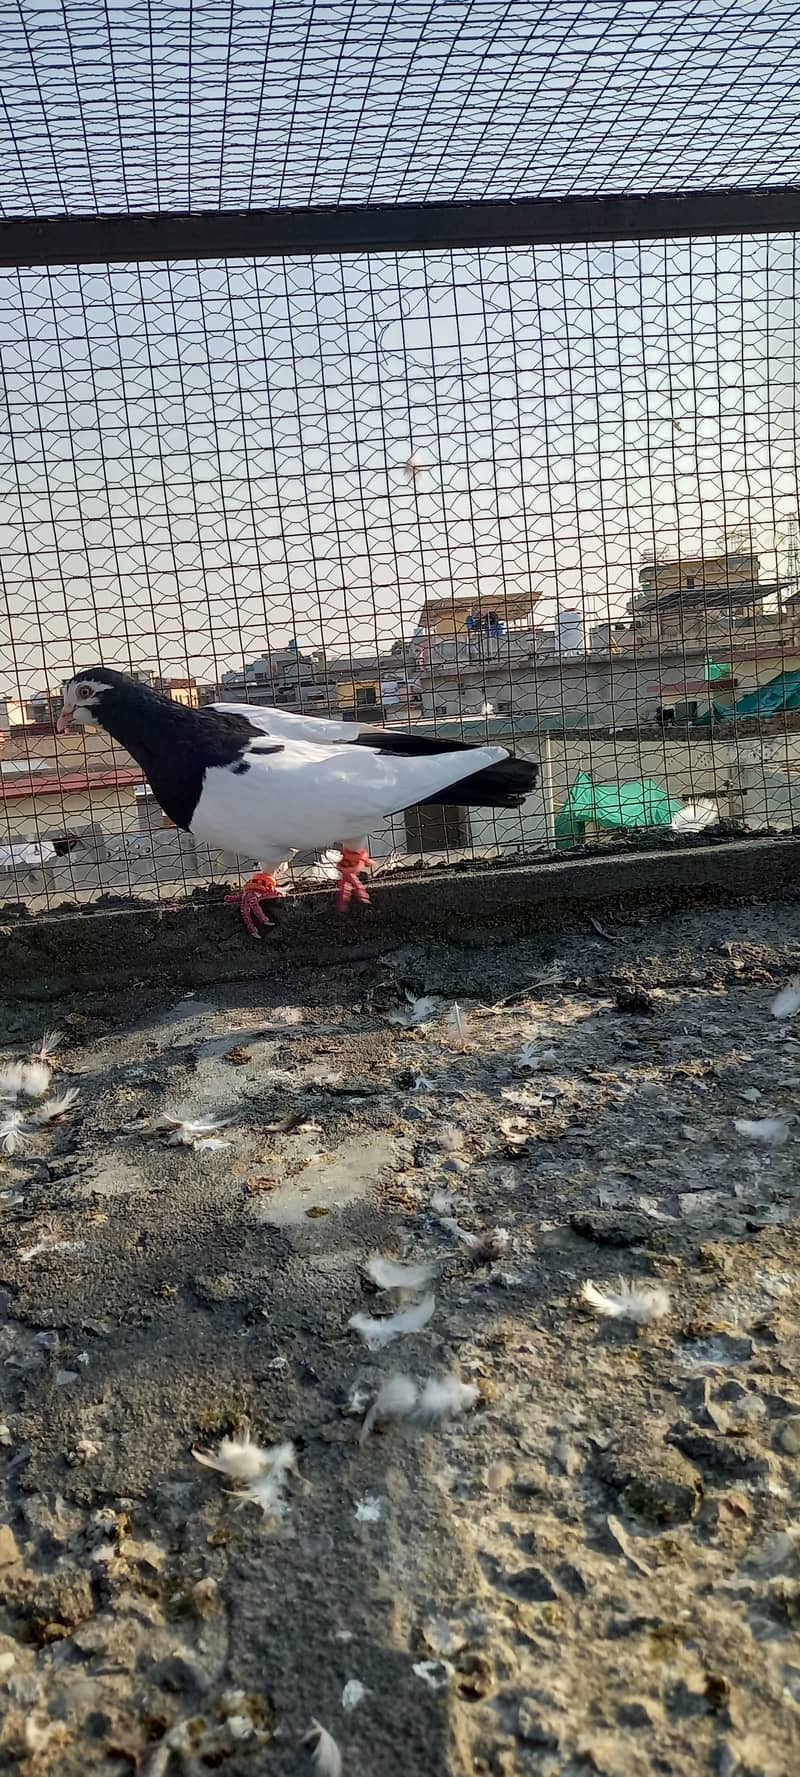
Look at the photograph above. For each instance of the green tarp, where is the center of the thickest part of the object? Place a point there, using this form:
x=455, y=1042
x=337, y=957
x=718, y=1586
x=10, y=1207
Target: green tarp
x=781, y=693
x=614, y=806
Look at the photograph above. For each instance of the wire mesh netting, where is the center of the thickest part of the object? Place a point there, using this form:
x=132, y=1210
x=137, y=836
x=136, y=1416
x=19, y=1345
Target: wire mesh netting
x=546, y=495
x=127, y=107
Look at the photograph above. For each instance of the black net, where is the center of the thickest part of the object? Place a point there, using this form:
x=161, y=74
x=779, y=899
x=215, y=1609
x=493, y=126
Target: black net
x=544, y=496
x=547, y=497
x=158, y=106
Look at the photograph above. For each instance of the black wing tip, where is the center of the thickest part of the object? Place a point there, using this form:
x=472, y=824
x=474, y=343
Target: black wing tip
x=504, y=785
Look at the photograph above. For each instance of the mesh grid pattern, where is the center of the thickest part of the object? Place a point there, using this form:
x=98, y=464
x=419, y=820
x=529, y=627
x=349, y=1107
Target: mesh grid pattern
x=133, y=107
x=201, y=464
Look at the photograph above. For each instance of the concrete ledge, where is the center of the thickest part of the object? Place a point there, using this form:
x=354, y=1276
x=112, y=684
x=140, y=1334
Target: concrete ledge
x=195, y=942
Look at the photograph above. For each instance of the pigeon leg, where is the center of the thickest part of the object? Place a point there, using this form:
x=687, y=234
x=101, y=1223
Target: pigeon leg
x=354, y=859
x=261, y=887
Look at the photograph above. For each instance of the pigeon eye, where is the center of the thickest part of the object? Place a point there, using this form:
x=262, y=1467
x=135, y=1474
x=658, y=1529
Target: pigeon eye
x=84, y=691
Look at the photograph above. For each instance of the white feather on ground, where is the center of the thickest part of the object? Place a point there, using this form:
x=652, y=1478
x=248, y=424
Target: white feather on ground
x=457, y=1022
x=787, y=1002
x=442, y=1397
x=239, y=1457
x=769, y=1132
x=377, y=1333
x=325, y=1754
x=395, y=1399
x=36, y=1077
x=176, y=1740
x=454, y=1227
x=14, y=1135
x=354, y=1693
x=695, y=817
x=416, y=1012
x=390, y=1274
x=48, y=1244
x=11, y=1080
x=54, y=1108
x=435, y=1674
x=535, y=1059
x=266, y=1490
x=640, y=1303
x=369, y=1509
x=185, y=1132
x=51, y=1041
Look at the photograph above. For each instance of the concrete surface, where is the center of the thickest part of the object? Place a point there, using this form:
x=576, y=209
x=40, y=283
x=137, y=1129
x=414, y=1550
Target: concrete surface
x=203, y=941
x=594, y=1570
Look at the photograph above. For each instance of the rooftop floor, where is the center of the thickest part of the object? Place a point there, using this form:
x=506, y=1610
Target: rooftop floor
x=595, y=1567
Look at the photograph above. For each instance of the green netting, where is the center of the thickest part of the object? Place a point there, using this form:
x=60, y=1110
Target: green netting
x=614, y=806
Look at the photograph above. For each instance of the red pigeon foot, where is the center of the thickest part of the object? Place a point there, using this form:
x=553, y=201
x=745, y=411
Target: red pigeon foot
x=260, y=888
x=350, y=866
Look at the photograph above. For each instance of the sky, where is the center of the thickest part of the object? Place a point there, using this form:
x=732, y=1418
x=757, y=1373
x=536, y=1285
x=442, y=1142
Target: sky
x=199, y=460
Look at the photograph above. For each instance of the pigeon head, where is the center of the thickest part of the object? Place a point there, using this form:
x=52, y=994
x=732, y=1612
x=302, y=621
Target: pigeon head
x=97, y=694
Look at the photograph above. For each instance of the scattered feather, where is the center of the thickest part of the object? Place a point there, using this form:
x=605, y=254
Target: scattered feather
x=535, y=1059
x=416, y=467
x=396, y=1399
x=770, y=1132
x=389, y=1274
x=369, y=1510
x=377, y=1333
x=354, y=1693
x=787, y=1002
x=177, y=1740
x=11, y=1080
x=48, y=1244
x=36, y=1077
x=457, y=1022
x=51, y=1041
x=423, y=1083
x=641, y=1303
x=325, y=1753
x=695, y=817
x=416, y=1012
x=237, y=1457
x=14, y=1137
x=434, y=1673
x=210, y=1144
x=443, y=1638
x=491, y=1247
x=443, y=1396
x=185, y=1132
x=443, y=1203
x=54, y=1108
x=627, y=1545
x=454, y=1227
x=266, y=1490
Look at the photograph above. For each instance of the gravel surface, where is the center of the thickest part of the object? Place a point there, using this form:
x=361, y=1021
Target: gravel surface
x=594, y=1564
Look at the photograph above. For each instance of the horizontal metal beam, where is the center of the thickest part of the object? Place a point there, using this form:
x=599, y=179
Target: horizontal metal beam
x=393, y=228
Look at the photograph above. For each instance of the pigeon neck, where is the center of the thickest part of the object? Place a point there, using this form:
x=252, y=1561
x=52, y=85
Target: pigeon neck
x=161, y=736
x=144, y=723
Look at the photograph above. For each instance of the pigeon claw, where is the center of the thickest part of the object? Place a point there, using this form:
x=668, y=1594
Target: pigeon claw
x=350, y=867
x=249, y=902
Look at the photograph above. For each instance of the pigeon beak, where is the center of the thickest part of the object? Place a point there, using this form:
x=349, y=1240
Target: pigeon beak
x=64, y=723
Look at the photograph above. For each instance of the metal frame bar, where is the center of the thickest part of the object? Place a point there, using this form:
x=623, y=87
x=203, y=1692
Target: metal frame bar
x=375, y=228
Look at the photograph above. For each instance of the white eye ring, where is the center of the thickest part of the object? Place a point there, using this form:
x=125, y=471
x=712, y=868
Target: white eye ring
x=84, y=691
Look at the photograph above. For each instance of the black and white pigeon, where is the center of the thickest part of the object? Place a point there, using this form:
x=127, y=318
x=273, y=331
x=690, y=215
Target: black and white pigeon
x=266, y=783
